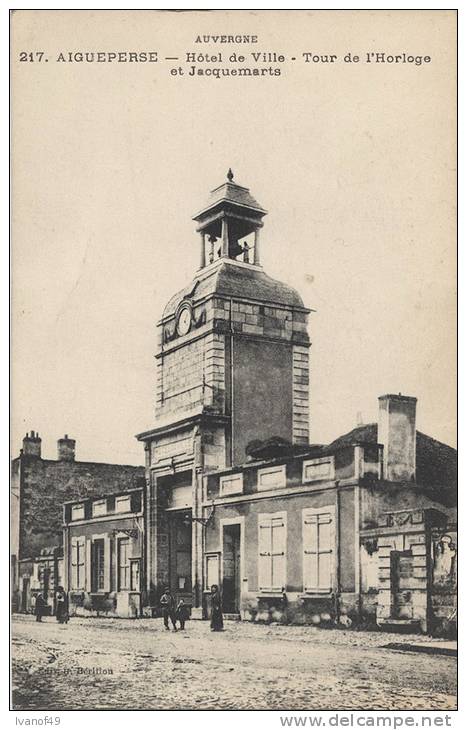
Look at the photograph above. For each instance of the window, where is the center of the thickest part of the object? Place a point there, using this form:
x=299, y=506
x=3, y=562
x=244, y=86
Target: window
x=122, y=504
x=271, y=478
x=99, y=508
x=135, y=575
x=318, y=549
x=77, y=511
x=97, y=566
x=317, y=469
x=212, y=570
x=272, y=552
x=231, y=484
x=78, y=563
x=123, y=564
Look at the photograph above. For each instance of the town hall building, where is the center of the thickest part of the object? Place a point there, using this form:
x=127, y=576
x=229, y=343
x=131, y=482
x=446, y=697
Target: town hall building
x=363, y=528
x=359, y=531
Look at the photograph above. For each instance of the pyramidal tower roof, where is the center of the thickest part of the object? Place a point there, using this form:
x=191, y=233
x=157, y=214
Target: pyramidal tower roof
x=230, y=193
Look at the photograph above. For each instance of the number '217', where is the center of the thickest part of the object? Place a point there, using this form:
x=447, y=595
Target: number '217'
x=31, y=56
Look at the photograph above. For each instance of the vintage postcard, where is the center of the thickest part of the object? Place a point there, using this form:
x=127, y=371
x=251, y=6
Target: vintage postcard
x=234, y=361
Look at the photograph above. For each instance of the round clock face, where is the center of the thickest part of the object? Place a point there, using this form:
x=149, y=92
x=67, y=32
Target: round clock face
x=184, y=321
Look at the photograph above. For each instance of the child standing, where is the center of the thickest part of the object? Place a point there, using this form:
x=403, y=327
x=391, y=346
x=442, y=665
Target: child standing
x=182, y=613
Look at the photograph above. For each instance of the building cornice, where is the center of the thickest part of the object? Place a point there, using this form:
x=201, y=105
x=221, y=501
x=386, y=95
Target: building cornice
x=182, y=423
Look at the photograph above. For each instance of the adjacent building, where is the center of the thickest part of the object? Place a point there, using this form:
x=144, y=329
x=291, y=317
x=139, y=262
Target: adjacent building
x=39, y=488
x=104, y=554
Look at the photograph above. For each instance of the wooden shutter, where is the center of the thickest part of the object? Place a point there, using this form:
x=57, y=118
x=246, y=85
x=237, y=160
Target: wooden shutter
x=74, y=560
x=107, y=563
x=325, y=539
x=278, y=552
x=318, y=539
x=310, y=552
x=264, y=555
x=88, y=566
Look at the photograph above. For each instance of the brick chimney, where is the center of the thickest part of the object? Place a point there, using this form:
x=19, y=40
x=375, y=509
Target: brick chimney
x=32, y=444
x=397, y=433
x=66, y=449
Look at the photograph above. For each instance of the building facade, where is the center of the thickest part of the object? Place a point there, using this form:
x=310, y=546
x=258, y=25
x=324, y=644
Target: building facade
x=39, y=488
x=104, y=554
x=356, y=530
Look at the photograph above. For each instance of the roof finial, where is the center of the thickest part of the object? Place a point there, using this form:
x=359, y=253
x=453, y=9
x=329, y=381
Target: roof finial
x=230, y=174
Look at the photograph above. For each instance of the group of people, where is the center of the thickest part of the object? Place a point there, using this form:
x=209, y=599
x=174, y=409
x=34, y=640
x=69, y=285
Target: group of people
x=181, y=612
x=41, y=607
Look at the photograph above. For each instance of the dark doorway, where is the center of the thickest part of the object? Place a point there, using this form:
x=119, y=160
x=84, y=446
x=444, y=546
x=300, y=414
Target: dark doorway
x=231, y=569
x=180, y=557
x=401, y=584
x=25, y=595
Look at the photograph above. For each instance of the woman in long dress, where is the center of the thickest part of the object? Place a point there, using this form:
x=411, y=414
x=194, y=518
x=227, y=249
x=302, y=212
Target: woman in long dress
x=217, y=621
x=61, y=608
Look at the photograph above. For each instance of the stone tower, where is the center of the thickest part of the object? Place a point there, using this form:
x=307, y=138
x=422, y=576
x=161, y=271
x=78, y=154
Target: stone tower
x=232, y=368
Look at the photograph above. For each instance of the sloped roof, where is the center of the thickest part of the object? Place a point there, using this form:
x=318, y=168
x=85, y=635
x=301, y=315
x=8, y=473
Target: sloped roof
x=230, y=192
x=436, y=463
x=366, y=433
x=238, y=282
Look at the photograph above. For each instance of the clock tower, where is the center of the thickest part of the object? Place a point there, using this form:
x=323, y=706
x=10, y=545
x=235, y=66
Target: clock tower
x=232, y=368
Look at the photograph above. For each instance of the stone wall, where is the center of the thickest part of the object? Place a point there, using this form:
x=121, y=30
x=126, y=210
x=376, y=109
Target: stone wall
x=46, y=484
x=301, y=395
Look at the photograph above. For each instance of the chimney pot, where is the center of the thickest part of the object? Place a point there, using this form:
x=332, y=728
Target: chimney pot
x=32, y=445
x=66, y=449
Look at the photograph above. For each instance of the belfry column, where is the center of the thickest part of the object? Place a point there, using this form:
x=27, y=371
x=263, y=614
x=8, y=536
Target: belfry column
x=202, y=257
x=225, y=238
x=256, y=253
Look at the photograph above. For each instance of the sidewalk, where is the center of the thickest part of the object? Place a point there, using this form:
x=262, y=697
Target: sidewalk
x=448, y=648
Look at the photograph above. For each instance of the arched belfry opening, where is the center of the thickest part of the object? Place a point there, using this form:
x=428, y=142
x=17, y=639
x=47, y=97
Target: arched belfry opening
x=229, y=225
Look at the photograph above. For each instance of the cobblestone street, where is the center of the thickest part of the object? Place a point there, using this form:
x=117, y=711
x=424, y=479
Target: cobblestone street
x=121, y=664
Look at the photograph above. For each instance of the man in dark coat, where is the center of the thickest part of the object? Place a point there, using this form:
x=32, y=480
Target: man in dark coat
x=41, y=606
x=168, y=609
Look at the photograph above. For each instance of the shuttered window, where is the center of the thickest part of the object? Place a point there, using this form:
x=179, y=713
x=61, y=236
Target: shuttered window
x=78, y=563
x=272, y=552
x=123, y=564
x=318, y=550
x=98, y=565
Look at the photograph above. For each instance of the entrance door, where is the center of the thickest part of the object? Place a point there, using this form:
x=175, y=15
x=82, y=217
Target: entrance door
x=180, y=557
x=402, y=584
x=231, y=569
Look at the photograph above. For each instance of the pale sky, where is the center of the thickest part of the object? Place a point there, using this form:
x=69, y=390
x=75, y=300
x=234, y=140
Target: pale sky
x=355, y=164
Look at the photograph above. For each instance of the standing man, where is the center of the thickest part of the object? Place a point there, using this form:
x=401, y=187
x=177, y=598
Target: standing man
x=168, y=609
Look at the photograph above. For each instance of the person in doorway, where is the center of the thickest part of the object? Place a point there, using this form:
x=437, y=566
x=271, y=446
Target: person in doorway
x=168, y=609
x=61, y=607
x=182, y=613
x=40, y=607
x=217, y=620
